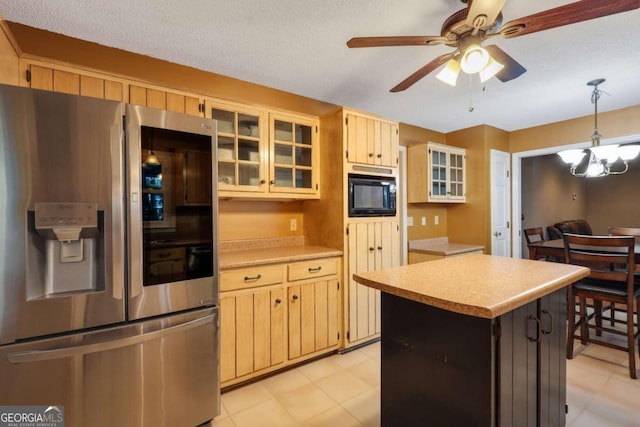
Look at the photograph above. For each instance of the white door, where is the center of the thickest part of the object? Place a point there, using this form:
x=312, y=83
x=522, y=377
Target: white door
x=500, y=203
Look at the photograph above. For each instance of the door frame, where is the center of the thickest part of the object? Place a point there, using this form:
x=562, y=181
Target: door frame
x=402, y=206
x=493, y=154
x=516, y=181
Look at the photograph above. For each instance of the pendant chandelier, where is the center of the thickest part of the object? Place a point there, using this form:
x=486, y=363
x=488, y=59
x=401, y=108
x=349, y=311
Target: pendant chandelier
x=602, y=160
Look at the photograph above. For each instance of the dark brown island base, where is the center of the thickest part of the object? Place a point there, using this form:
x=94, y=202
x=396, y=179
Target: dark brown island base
x=475, y=340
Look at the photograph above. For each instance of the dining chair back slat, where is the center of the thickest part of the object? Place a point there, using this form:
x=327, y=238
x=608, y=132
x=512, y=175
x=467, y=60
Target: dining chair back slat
x=612, y=263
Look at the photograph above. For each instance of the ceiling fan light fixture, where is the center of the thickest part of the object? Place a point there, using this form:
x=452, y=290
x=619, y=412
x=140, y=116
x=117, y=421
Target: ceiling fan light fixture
x=449, y=74
x=492, y=68
x=474, y=59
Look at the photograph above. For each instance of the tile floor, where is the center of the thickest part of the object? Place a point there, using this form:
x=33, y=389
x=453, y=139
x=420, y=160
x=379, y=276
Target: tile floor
x=344, y=390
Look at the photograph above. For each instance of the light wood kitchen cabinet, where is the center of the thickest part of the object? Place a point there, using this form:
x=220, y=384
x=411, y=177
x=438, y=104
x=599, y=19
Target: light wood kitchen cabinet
x=372, y=246
x=313, y=307
x=371, y=141
x=252, y=331
x=265, y=154
x=68, y=81
x=163, y=100
x=294, y=161
x=242, y=147
x=276, y=315
x=437, y=174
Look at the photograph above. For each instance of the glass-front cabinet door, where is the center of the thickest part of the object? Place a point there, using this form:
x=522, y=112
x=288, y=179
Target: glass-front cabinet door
x=242, y=148
x=294, y=163
x=446, y=173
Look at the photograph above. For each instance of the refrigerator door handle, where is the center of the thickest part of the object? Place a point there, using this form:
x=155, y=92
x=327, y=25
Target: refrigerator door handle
x=59, y=353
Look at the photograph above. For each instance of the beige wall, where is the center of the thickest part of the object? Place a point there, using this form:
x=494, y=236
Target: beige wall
x=410, y=136
x=548, y=191
x=547, y=194
x=610, y=124
x=614, y=200
x=255, y=220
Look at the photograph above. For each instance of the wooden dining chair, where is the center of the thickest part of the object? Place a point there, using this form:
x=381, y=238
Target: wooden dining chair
x=532, y=235
x=627, y=231
x=603, y=285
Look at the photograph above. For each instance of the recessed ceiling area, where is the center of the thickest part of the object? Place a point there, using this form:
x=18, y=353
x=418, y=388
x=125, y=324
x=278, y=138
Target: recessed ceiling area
x=300, y=47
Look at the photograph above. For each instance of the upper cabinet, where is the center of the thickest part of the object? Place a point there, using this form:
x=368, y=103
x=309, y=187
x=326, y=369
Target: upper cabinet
x=242, y=147
x=437, y=174
x=293, y=146
x=71, y=82
x=371, y=141
x=264, y=154
x=163, y=100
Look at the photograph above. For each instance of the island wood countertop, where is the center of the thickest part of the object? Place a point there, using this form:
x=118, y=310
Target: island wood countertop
x=260, y=256
x=478, y=285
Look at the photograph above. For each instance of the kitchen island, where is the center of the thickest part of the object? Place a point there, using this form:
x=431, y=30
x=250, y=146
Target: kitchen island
x=474, y=340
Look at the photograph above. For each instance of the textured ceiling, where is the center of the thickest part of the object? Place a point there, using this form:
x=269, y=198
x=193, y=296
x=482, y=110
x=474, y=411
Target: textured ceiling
x=299, y=46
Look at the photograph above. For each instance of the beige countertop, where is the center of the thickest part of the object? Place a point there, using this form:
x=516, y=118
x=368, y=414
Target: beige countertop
x=441, y=246
x=251, y=257
x=478, y=285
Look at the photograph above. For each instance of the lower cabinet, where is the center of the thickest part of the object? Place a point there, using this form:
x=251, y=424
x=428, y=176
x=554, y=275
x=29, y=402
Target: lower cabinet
x=532, y=377
x=275, y=315
x=441, y=368
x=372, y=246
x=313, y=317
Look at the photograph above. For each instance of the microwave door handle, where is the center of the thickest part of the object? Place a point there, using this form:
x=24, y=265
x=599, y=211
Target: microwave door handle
x=109, y=344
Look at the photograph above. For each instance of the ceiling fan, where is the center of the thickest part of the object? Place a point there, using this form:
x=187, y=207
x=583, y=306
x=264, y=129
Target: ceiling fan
x=481, y=20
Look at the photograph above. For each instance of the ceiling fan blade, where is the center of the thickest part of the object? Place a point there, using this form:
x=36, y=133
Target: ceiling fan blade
x=482, y=13
x=413, y=78
x=512, y=68
x=564, y=15
x=395, y=41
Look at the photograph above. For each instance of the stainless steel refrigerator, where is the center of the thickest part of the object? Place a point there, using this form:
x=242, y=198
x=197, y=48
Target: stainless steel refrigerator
x=108, y=261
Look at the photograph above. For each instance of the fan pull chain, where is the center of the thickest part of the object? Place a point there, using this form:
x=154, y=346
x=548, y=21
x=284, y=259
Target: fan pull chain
x=470, y=94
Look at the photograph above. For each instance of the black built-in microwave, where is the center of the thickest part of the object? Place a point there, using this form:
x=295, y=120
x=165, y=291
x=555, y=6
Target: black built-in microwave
x=371, y=195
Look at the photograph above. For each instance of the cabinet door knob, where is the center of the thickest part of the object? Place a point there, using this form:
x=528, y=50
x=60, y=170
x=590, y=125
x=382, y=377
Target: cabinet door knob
x=272, y=182
x=379, y=248
x=370, y=154
x=263, y=181
x=278, y=300
x=294, y=297
x=379, y=156
x=371, y=249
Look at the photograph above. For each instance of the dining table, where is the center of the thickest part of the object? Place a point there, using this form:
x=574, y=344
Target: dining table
x=554, y=249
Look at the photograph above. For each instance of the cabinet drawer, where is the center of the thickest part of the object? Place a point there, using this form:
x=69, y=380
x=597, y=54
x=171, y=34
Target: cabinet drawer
x=166, y=254
x=311, y=269
x=250, y=277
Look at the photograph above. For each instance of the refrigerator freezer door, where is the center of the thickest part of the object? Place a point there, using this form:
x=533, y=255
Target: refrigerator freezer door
x=161, y=372
x=59, y=156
